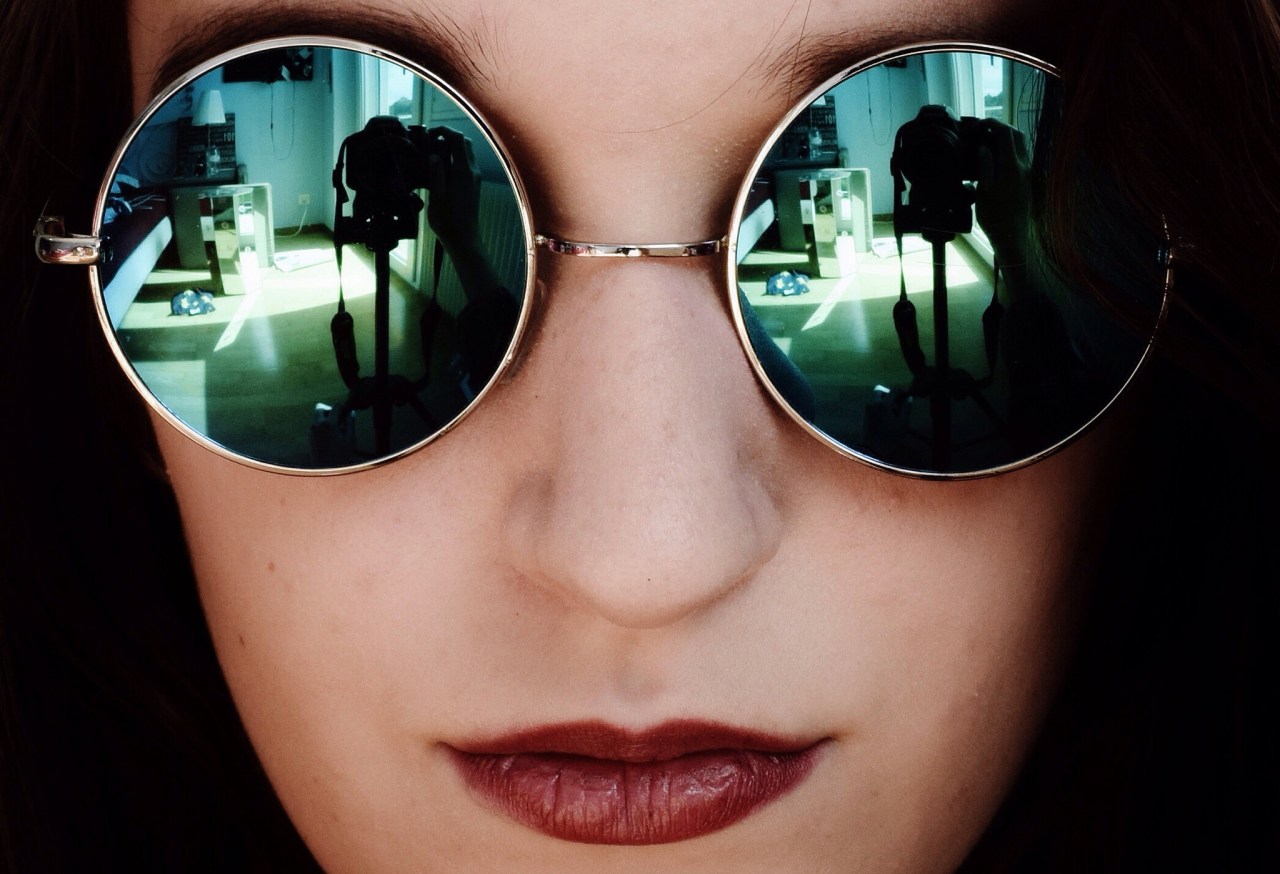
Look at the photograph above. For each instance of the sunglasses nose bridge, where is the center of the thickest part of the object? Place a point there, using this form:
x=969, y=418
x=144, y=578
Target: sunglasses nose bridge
x=555, y=257
x=652, y=309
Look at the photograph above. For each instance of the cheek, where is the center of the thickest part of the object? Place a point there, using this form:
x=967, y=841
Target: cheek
x=347, y=623
x=942, y=619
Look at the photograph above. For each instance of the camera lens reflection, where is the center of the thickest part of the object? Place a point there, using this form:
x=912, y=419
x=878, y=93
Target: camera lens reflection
x=893, y=272
x=318, y=259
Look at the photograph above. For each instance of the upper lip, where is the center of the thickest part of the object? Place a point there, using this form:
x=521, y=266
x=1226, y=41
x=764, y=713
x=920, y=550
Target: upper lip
x=601, y=740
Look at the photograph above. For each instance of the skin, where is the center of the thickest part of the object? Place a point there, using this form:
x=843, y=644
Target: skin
x=629, y=530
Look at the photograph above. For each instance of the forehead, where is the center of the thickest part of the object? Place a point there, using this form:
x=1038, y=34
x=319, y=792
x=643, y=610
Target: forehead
x=668, y=98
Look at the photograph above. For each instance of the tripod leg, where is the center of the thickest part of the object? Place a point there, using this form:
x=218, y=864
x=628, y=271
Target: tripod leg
x=382, y=343
x=940, y=397
x=423, y=412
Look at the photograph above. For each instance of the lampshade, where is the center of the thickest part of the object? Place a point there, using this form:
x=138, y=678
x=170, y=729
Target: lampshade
x=209, y=109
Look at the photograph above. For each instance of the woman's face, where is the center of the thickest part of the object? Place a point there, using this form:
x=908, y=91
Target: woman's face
x=777, y=659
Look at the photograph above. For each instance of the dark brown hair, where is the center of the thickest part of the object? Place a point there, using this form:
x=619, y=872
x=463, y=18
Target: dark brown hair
x=1159, y=754
x=119, y=745
x=1174, y=108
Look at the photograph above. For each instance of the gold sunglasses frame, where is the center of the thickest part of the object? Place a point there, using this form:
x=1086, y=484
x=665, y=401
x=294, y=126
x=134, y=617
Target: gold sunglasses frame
x=54, y=246
x=1164, y=256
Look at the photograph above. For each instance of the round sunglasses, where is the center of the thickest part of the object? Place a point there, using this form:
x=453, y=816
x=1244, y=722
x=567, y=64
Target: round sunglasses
x=313, y=257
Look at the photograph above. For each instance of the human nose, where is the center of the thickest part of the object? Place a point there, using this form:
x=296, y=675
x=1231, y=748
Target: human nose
x=649, y=496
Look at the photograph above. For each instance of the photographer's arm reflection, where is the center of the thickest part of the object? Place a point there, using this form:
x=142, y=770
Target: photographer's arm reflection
x=486, y=323
x=1003, y=200
x=453, y=210
x=1045, y=373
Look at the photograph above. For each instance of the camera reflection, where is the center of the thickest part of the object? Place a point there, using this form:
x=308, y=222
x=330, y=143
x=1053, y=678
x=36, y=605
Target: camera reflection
x=895, y=274
x=228, y=287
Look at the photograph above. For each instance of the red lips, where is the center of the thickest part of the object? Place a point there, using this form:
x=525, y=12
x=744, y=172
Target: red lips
x=594, y=783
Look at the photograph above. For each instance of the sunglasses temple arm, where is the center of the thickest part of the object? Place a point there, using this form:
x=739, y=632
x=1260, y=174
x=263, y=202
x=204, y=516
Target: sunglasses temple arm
x=55, y=246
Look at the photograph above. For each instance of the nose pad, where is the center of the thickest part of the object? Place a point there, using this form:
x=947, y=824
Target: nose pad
x=647, y=497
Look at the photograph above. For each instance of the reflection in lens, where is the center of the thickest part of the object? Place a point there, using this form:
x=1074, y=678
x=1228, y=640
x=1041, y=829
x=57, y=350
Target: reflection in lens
x=892, y=275
x=318, y=257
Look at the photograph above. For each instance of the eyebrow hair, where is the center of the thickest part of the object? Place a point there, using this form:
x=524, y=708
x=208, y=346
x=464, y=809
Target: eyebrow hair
x=431, y=39
x=467, y=58
x=814, y=57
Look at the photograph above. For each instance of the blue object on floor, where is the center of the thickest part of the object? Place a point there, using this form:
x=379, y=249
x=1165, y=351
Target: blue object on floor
x=787, y=283
x=192, y=302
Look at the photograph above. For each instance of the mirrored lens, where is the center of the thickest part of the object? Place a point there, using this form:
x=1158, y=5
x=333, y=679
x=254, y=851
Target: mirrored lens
x=318, y=259
x=892, y=271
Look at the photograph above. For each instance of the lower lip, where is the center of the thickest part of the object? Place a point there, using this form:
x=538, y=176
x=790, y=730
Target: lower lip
x=603, y=801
